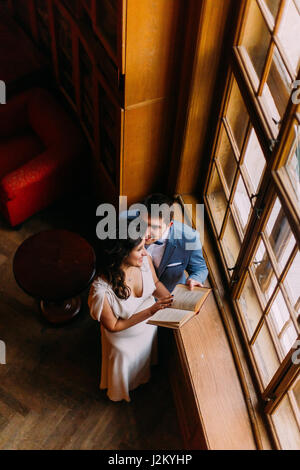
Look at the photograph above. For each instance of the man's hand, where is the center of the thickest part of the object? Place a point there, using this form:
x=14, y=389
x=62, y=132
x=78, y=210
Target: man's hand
x=192, y=283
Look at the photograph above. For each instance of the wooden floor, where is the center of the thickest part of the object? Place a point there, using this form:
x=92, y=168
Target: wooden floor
x=49, y=394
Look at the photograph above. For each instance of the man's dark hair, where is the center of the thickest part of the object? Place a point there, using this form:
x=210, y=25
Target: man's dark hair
x=159, y=199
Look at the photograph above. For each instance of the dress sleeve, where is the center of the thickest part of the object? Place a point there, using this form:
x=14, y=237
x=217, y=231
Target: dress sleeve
x=96, y=298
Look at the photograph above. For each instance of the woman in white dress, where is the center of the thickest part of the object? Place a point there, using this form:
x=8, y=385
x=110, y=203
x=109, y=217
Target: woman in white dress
x=122, y=299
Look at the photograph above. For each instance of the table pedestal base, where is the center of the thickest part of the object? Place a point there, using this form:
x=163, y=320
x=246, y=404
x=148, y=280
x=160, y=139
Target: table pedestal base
x=61, y=312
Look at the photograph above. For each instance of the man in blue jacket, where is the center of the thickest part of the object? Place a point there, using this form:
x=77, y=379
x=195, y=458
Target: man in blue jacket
x=174, y=247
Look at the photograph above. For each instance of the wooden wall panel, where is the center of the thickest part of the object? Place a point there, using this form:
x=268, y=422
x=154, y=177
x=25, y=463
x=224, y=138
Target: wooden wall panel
x=189, y=154
x=153, y=25
x=147, y=134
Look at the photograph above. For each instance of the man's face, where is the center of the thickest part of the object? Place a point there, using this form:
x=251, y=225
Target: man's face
x=155, y=230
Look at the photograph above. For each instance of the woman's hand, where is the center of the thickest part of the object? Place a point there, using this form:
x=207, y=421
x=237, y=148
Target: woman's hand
x=164, y=302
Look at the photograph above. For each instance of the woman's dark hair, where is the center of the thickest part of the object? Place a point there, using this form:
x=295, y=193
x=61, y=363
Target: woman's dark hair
x=111, y=255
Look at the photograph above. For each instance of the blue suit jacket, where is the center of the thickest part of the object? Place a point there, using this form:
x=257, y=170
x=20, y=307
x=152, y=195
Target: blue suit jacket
x=183, y=252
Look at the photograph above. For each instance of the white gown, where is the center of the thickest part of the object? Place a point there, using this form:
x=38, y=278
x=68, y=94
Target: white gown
x=126, y=355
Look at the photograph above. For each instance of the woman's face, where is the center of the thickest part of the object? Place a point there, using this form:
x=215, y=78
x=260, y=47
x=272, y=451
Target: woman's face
x=135, y=257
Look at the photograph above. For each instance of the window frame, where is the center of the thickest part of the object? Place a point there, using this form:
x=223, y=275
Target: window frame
x=274, y=147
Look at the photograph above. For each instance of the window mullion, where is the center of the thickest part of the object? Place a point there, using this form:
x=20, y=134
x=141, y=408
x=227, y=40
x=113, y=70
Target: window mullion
x=266, y=69
x=231, y=140
x=284, y=57
x=279, y=16
x=255, y=227
x=261, y=127
x=281, y=382
x=271, y=255
x=283, y=289
x=227, y=194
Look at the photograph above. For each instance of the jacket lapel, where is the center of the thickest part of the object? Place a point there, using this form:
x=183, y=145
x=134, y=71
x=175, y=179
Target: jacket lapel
x=170, y=247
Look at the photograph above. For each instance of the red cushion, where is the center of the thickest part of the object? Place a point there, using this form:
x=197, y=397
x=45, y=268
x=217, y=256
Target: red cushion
x=18, y=150
x=35, y=197
x=38, y=166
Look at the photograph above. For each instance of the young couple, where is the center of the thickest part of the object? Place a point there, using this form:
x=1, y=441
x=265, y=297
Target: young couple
x=135, y=280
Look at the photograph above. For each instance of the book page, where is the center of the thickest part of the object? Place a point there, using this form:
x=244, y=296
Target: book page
x=187, y=299
x=169, y=315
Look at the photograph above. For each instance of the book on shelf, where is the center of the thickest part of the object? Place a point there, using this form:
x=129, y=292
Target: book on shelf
x=186, y=304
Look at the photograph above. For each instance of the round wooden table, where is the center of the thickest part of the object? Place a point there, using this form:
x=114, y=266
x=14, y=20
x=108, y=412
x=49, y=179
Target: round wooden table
x=55, y=266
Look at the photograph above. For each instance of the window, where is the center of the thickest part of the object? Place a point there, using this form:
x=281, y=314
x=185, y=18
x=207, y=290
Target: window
x=252, y=197
x=269, y=52
x=239, y=165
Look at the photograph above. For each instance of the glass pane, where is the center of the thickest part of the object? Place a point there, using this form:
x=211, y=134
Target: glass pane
x=256, y=40
x=279, y=315
x=296, y=393
x=288, y=33
x=286, y=425
x=263, y=271
x=280, y=235
x=241, y=203
x=282, y=324
x=265, y=355
x=293, y=167
x=277, y=89
x=231, y=243
x=216, y=199
x=279, y=312
x=249, y=307
x=254, y=162
x=226, y=159
x=292, y=283
x=237, y=115
x=288, y=338
x=273, y=6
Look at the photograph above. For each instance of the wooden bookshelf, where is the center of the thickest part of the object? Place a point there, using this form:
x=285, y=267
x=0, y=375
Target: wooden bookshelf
x=112, y=61
x=42, y=25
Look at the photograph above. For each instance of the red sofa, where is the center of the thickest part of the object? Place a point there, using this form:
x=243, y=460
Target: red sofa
x=41, y=154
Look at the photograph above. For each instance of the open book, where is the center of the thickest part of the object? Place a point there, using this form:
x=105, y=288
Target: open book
x=185, y=304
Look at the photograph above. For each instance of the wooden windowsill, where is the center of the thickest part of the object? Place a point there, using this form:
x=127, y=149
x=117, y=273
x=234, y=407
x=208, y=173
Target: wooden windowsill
x=212, y=361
